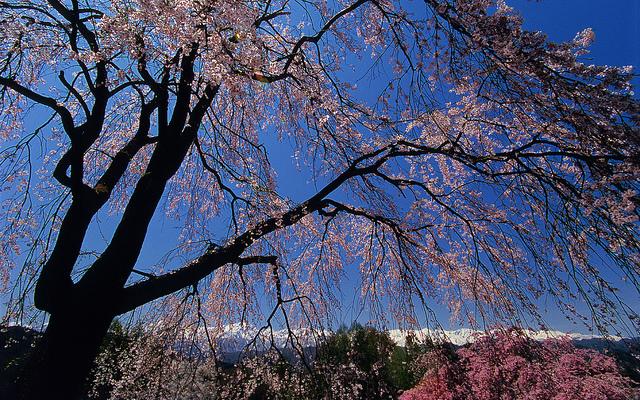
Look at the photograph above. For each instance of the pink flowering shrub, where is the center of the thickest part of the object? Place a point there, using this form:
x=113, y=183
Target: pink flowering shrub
x=585, y=374
x=432, y=387
x=505, y=365
x=444, y=379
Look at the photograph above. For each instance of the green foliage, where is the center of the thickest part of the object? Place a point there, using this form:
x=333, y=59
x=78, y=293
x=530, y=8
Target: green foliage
x=404, y=369
x=366, y=363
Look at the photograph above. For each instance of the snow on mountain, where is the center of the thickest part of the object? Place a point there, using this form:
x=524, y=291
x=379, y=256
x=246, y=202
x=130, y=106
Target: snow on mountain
x=457, y=337
x=460, y=337
x=237, y=337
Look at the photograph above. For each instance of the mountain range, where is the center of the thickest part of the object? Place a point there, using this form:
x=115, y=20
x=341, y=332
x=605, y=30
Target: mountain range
x=235, y=338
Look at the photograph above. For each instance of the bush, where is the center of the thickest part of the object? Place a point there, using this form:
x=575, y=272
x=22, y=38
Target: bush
x=508, y=365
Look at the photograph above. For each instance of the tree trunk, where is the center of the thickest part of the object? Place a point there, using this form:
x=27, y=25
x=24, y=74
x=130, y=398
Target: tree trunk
x=62, y=359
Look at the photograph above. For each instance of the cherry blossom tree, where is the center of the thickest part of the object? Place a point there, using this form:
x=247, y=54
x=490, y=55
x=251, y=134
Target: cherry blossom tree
x=555, y=368
x=506, y=364
x=481, y=166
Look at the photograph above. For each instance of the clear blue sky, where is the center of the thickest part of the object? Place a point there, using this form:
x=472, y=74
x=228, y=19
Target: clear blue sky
x=615, y=22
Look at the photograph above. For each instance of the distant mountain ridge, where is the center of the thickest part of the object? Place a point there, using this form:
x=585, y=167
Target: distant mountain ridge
x=235, y=338
x=460, y=337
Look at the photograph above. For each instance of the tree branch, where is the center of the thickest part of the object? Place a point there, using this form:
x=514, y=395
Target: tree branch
x=65, y=115
x=143, y=292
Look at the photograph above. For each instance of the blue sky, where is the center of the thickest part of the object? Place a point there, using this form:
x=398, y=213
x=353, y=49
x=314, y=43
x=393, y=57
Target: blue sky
x=615, y=22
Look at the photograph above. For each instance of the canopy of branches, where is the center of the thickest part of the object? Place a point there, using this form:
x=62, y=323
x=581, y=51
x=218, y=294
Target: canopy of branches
x=452, y=156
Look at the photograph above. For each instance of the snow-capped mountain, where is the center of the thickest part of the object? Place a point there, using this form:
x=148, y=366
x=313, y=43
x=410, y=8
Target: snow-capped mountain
x=235, y=337
x=460, y=337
